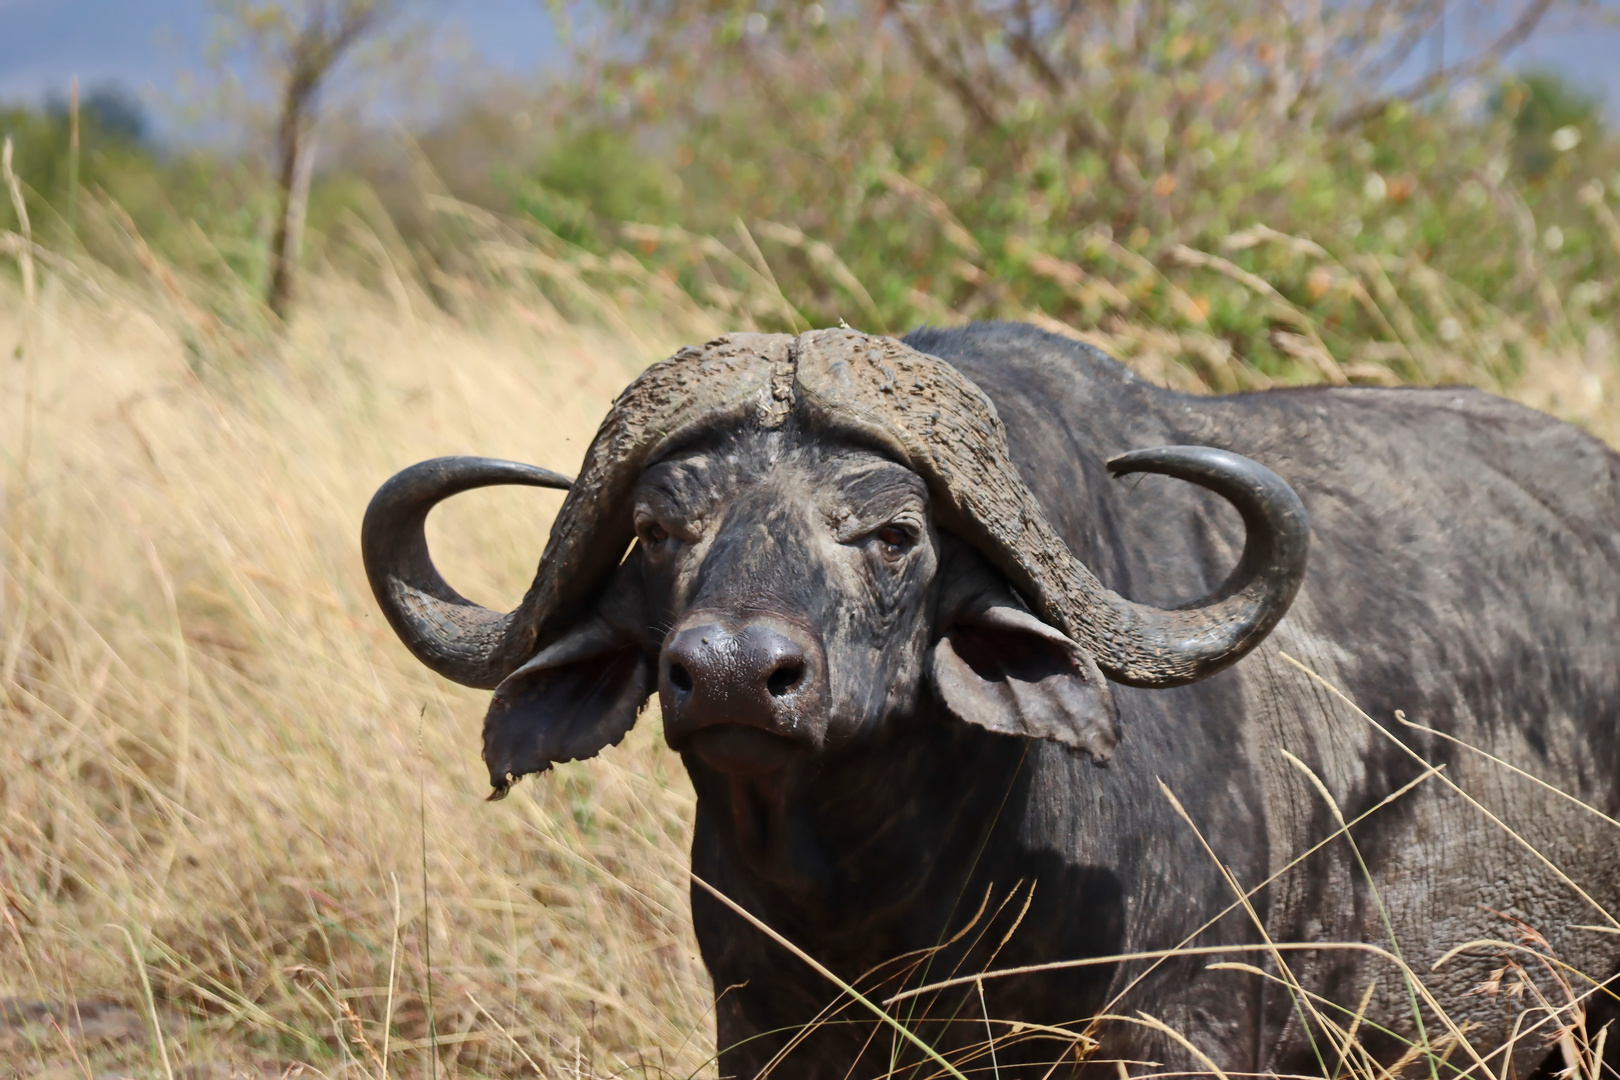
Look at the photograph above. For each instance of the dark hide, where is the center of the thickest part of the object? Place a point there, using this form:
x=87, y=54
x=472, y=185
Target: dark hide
x=896, y=744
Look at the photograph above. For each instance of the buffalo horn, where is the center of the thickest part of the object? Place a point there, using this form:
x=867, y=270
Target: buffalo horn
x=463, y=641
x=1160, y=647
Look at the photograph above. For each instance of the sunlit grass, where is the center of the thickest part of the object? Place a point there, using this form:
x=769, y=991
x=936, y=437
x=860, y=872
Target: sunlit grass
x=213, y=742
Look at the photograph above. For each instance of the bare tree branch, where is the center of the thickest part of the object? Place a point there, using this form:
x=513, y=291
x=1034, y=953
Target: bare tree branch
x=309, y=54
x=1022, y=43
x=936, y=68
x=1417, y=29
x=1522, y=28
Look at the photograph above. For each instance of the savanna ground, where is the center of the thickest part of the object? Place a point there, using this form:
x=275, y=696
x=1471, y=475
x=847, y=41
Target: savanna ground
x=242, y=831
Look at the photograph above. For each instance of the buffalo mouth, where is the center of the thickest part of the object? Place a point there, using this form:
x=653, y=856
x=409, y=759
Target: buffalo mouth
x=755, y=766
x=740, y=750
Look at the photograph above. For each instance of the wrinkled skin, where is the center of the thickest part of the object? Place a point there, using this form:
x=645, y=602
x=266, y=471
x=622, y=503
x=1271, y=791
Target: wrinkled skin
x=832, y=541
x=889, y=750
x=827, y=552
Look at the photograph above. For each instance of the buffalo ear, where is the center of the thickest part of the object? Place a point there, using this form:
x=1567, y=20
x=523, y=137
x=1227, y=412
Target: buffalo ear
x=576, y=696
x=1000, y=667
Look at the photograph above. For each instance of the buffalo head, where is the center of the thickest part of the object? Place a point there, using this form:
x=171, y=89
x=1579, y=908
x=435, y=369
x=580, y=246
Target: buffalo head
x=794, y=542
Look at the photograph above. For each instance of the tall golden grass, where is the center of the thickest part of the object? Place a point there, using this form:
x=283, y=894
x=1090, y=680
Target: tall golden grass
x=220, y=774
x=231, y=805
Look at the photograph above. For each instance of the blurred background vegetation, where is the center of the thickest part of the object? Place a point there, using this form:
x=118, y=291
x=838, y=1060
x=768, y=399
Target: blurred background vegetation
x=1261, y=191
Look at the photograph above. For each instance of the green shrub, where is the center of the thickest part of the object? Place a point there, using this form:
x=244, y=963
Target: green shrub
x=1197, y=174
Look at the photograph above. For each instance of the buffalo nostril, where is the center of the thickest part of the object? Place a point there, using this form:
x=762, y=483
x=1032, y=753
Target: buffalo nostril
x=680, y=678
x=785, y=678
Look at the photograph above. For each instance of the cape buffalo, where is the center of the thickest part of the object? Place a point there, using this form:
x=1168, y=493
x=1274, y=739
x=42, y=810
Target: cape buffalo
x=879, y=588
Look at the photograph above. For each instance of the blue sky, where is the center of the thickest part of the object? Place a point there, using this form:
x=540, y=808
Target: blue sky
x=148, y=44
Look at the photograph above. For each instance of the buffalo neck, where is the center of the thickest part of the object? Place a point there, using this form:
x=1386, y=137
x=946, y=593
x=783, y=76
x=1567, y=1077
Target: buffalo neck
x=838, y=857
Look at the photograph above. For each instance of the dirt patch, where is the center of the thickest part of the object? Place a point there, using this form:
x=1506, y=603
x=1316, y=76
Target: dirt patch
x=24, y=1024
x=89, y=1032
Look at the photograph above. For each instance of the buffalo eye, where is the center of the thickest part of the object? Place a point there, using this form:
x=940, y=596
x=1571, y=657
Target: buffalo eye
x=894, y=541
x=654, y=533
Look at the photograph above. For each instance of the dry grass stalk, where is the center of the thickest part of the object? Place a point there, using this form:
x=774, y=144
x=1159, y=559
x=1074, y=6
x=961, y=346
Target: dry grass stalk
x=24, y=250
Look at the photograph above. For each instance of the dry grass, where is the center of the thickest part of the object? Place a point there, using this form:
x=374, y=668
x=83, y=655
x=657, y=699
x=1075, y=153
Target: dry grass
x=211, y=739
x=230, y=802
